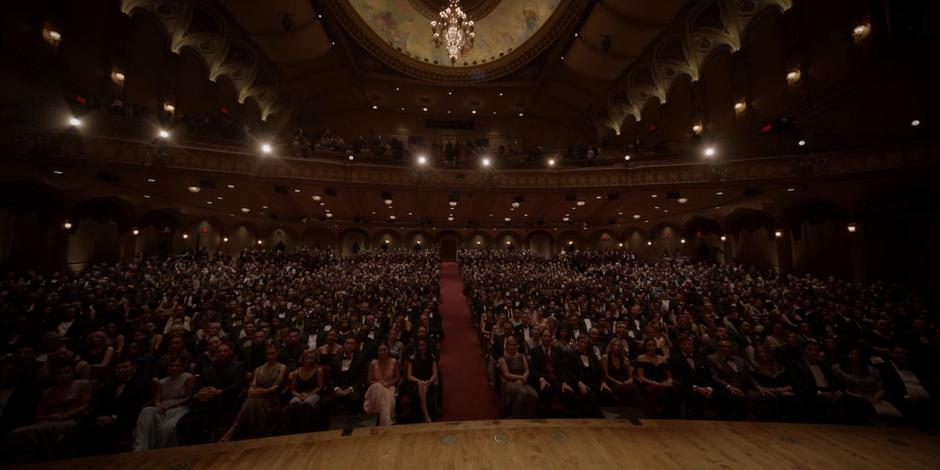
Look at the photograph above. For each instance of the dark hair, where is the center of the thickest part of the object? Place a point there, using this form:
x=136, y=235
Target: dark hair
x=863, y=361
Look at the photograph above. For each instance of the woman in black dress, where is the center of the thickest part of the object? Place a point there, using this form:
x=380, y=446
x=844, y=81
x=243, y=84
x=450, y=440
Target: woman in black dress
x=422, y=373
x=654, y=375
x=618, y=377
x=305, y=386
x=773, y=378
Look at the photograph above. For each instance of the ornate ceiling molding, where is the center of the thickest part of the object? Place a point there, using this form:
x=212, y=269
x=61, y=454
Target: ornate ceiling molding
x=560, y=22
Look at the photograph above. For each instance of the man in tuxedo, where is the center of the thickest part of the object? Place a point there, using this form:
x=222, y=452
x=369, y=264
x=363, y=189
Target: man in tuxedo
x=524, y=333
x=691, y=376
x=735, y=389
x=904, y=388
x=217, y=396
x=815, y=385
x=581, y=380
x=347, y=377
x=545, y=361
x=621, y=333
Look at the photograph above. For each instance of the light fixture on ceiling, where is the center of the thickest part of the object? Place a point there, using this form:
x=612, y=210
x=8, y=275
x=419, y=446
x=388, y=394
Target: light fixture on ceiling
x=682, y=241
x=388, y=202
x=719, y=193
x=551, y=162
x=329, y=215
x=521, y=114
x=375, y=106
x=151, y=180
x=485, y=162
x=67, y=225
x=219, y=197
x=210, y=203
x=51, y=36
x=778, y=233
x=296, y=190
x=163, y=134
x=454, y=31
x=424, y=109
x=352, y=157
x=473, y=111
x=791, y=189
x=422, y=160
x=57, y=172
x=450, y=219
x=266, y=148
x=565, y=219
x=146, y=196
x=793, y=76
x=230, y=186
x=710, y=151
x=453, y=203
x=852, y=227
x=626, y=158
x=649, y=243
x=260, y=242
x=194, y=189
x=580, y=203
x=75, y=122
x=515, y=204
x=915, y=123
x=224, y=239
x=697, y=128
x=185, y=236
x=316, y=197
x=637, y=216
x=723, y=238
x=683, y=200
x=740, y=106
x=135, y=232
x=391, y=217
x=169, y=108
x=245, y=210
x=117, y=77
x=801, y=143
x=654, y=196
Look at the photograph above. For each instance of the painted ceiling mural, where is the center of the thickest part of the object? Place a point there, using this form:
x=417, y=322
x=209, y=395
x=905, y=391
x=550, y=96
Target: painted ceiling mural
x=501, y=31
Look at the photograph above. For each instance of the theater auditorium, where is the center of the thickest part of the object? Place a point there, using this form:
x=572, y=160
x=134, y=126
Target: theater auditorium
x=291, y=234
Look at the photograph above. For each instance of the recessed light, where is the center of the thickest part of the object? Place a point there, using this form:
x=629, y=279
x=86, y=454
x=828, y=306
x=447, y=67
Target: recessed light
x=264, y=207
x=75, y=122
x=163, y=134
x=719, y=193
x=636, y=216
x=146, y=196
x=375, y=106
x=580, y=203
x=57, y=172
x=654, y=196
x=598, y=197
x=194, y=189
x=915, y=123
x=210, y=202
x=297, y=190
x=266, y=148
x=710, y=151
x=683, y=200
x=473, y=112
x=231, y=186
x=391, y=217
x=245, y=210
x=521, y=114
x=219, y=197
x=790, y=190
x=626, y=158
x=151, y=180
x=317, y=197
x=801, y=143
x=424, y=109
x=486, y=162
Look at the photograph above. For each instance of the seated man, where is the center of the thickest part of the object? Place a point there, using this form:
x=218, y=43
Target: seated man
x=735, y=388
x=546, y=360
x=347, y=380
x=218, y=395
x=815, y=385
x=903, y=386
x=111, y=422
x=691, y=376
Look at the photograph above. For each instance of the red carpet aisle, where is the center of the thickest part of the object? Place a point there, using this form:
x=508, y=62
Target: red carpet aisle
x=466, y=394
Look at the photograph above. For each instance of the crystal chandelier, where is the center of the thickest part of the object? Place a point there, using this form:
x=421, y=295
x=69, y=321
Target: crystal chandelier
x=454, y=31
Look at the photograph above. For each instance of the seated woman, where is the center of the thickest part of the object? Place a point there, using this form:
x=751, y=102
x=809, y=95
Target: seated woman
x=256, y=416
x=60, y=409
x=774, y=379
x=618, y=376
x=98, y=354
x=330, y=349
x=384, y=377
x=422, y=372
x=521, y=398
x=305, y=386
x=654, y=375
x=863, y=387
x=156, y=425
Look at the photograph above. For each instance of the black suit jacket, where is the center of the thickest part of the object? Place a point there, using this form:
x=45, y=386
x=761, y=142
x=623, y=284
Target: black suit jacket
x=895, y=390
x=576, y=371
x=804, y=383
x=547, y=367
x=685, y=376
x=352, y=377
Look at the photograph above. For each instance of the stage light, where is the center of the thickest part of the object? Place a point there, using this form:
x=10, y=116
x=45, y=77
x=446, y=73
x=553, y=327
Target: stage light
x=163, y=134
x=422, y=160
x=486, y=162
x=75, y=122
x=710, y=151
x=266, y=148
x=551, y=162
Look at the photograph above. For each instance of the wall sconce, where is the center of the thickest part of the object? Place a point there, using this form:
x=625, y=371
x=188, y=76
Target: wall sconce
x=861, y=31
x=67, y=225
x=51, y=36
x=697, y=129
x=117, y=77
x=740, y=106
x=135, y=232
x=185, y=236
x=852, y=227
x=793, y=77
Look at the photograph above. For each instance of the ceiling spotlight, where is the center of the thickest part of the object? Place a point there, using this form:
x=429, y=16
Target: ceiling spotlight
x=473, y=112
x=719, y=193
x=151, y=180
x=626, y=158
x=194, y=189
x=224, y=239
x=296, y=190
x=75, y=122
x=351, y=157
x=260, y=242
x=521, y=114
x=565, y=219
x=388, y=202
x=515, y=204
x=723, y=238
x=683, y=200
x=230, y=186
x=739, y=106
x=486, y=162
x=450, y=219
x=146, y=196
x=245, y=210
x=790, y=190
x=649, y=243
x=67, y=225
x=185, y=236
x=135, y=232
x=422, y=160
x=391, y=217
x=697, y=128
x=453, y=203
x=266, y=148
x=915, y=123
x=551, y=162
x=507, y=219
x=209, y=202
x=710, y=151
x=329, y=215
x=852, y=227
x=793, y=76
x=636, y=216
x=424, y=109
x=801, y=143
x=682, y=241
x=861, y=31
x=580, y=203
x=163, y=134
x=57, y=172
x=375, y=106
x=316, y=197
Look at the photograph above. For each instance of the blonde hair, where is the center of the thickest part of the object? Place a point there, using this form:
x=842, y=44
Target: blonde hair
x=314, y=352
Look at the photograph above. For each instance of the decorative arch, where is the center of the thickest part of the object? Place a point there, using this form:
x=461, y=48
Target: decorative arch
x=811, y=211
x=750, y=220
x=699, y=226
x=103, y=209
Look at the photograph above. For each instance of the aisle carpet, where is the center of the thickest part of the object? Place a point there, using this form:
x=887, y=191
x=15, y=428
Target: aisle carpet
x=466, y=394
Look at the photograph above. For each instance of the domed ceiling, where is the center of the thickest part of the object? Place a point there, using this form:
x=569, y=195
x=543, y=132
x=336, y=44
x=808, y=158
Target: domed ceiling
x=508, y=34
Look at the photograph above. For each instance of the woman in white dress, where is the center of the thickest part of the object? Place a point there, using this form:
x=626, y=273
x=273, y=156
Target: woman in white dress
x=156, y=425
x=384, y=376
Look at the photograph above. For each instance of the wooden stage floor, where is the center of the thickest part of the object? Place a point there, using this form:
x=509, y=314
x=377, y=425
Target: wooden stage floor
x=545, y=444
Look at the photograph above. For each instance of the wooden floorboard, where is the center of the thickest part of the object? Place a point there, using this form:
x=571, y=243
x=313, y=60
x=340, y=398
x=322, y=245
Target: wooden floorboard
x=547, y=444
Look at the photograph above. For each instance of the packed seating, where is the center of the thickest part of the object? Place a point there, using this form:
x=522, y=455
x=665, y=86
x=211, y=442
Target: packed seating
x=200, y=348
x=583, y=332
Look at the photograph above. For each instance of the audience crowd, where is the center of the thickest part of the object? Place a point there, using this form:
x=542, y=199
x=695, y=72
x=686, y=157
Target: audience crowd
x=202, y=348
x=584, y=332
